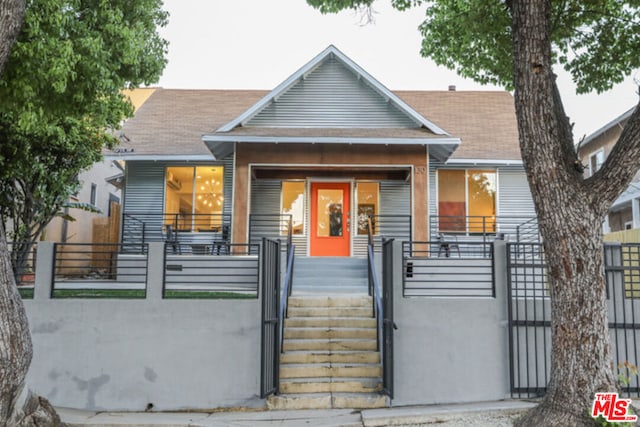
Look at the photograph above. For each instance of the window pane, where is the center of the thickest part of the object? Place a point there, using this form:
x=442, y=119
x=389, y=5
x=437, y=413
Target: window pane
x=329, y=213
x=179, y=198
x=189, y=208
x=293, y=204
x=452, y=208
x=482, y=201
x=209, y=198
x=367, y=205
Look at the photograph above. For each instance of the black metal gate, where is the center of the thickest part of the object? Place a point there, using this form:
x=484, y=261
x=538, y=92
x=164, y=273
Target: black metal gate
x=270, y=354
x=530, y=316
x=387, y=324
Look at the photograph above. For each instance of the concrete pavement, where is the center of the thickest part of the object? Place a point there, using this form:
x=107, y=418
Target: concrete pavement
x=292, y=418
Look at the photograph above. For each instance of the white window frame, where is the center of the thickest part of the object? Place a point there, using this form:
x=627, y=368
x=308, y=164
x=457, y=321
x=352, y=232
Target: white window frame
x=599, y=164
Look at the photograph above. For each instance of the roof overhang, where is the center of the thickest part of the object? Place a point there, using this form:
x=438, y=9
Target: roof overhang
x=632, y=192
x=221, y=145
x=161, y=157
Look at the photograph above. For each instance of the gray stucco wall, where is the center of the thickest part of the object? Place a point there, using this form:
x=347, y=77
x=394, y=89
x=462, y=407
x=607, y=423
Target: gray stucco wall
x=450, y=349
x=125, y=354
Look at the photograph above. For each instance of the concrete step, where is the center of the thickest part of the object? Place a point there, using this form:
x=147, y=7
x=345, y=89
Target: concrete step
x=319, y=370
x=330, y=345
x=330, y=357
x=329, y=333
x=330, y=385
x=328, y=401
x=330, y=322
x=330, y=312
x=361, y=301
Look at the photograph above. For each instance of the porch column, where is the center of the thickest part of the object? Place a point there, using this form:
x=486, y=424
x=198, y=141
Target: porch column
x=420, y=204
x=241, y=187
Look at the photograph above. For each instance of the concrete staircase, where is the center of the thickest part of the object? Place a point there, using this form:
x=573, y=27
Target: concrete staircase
x=330, y=275
x=330, y=357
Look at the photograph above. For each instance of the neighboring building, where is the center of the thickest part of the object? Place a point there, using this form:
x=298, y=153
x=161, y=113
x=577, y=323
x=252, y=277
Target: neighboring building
x=624, y=214
x=330, y=146
x=101, y=188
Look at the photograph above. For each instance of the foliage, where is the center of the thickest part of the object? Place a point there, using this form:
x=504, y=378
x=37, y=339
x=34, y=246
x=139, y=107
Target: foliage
x=60, y=98
x=594, y=40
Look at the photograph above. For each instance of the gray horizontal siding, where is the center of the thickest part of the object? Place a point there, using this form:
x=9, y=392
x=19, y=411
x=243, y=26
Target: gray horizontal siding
x=514, y=196
x=331, y=96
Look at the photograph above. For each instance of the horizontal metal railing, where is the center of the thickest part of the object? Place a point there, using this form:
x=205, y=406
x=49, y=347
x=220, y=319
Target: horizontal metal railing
x=387, y=227
x=139, y=228
x=269, y=226
x=485, y=228
x=235, y=273
x=98, y=270
x=465, y=273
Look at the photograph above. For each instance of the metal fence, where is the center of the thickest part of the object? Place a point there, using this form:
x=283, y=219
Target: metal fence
x=269, y=226
x=483, y=228
x=530, y=316
x=463, y=271
x=88, y=270
x=139, y=228
x=235, y=272
x=270, y=348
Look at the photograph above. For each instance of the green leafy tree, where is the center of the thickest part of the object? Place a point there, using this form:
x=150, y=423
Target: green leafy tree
x=517, y=44
x=59, y=97
x=60, y=101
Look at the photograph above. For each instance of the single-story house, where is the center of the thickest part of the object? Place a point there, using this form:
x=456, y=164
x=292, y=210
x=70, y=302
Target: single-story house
x=327, y=148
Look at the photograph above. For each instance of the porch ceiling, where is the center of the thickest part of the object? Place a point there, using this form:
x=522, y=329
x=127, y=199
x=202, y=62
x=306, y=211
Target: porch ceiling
x=383, y=173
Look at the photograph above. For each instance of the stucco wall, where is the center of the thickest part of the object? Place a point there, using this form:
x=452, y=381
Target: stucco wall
x=450, y=349
x=124, y=354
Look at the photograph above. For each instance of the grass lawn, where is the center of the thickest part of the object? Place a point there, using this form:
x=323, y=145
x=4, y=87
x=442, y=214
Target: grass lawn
x=26, y=293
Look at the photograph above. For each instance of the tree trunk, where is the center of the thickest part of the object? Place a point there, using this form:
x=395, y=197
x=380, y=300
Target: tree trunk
x=18, y=407
x=11, y=16
x=570, y=215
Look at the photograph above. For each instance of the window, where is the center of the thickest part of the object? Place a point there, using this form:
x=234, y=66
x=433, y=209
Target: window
x=595, y=161
x=367, y=196
x=292, y=203
x=94, y=191
x=194, y=198
x=467, y=200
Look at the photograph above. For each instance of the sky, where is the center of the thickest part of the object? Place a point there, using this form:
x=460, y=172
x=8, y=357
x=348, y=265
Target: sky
x=257, y=44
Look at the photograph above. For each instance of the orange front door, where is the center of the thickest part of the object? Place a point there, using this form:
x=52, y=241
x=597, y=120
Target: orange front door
x=330, y=219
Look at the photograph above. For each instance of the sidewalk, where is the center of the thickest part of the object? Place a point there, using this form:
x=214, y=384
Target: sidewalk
x=309, y=418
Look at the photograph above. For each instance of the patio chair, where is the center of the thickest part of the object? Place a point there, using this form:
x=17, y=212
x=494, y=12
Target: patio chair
x=447, y=244
x=223, y=242
x=171, y=239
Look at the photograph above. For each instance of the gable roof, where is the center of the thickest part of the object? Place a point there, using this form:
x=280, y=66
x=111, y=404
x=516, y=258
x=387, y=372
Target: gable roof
x=333, y=56
x=171, y=123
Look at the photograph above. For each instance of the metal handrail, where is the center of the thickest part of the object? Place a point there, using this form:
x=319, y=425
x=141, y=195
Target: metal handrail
x=288, y=281
x=377, y=296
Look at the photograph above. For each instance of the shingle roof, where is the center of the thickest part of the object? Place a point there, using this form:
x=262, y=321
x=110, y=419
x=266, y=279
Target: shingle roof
x=485, y=121
x=172, y=121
